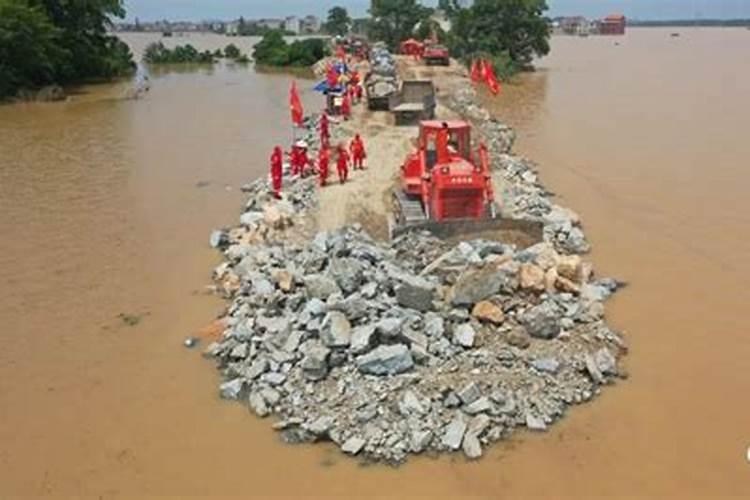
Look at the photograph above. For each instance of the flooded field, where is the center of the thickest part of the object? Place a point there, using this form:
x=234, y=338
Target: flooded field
x=108, y=205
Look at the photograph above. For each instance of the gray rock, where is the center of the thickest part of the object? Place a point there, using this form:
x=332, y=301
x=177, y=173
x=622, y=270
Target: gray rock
x=548, y=365
x=593, y=369
x=231, y=389
x=477, y=285
x=606, y=362
x=478, y=425
x=434, y=325
x=542, y=321
x=347, y=273
x=273, y=325
x=316, y=307
x=464, y=335
x=218, y=239
x=415, y=293
x=258, y=404
x=336, y=330
x=420, y=440
x=353, y=445
x=411, y=404
x=271, y=396
x=257, y=368
x=469, y=393
x=471, y=446
x=273, y=378
x=362, y=339
x=386, y=360
x=454, y=433
x=240, y=351
x=390, y=327
x=481, y=405
x=315, y=363
x=320, y=426
x=451, y=400
x=535, y=423
x=251, y=218
x=320, y=287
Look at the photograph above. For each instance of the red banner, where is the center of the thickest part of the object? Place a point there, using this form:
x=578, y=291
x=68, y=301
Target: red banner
x=295, y=105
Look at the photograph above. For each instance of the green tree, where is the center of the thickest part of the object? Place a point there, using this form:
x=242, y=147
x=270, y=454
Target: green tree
x=511, y=31
x=394, y=20
x=30, y=51
x=273, y=50
x=338, y=22
x=231, y=51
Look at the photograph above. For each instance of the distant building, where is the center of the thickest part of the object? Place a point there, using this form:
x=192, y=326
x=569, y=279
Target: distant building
x=310, y=24
x=232, y=28
x=613, y=25
x=292, y=23
x=272, y=24
x=577, y=25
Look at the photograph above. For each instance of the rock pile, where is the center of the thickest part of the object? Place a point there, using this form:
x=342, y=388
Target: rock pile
x=405, y=347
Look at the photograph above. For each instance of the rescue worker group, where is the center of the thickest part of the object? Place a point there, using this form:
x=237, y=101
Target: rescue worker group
x=302, y=165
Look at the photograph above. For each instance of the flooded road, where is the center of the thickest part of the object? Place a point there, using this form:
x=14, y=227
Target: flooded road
x=107, y=206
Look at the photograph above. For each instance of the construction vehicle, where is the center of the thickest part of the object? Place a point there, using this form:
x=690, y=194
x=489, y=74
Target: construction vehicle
x=436, y=55
x=452, y=185
x=414, y=102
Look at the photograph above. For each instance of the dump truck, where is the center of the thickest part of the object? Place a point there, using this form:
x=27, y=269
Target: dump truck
x=414, y=102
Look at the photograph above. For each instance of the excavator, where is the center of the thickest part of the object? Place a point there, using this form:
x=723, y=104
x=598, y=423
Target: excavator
x=446, y=186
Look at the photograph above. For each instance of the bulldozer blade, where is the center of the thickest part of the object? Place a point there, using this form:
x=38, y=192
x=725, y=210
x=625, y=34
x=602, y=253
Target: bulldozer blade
x=530, y=230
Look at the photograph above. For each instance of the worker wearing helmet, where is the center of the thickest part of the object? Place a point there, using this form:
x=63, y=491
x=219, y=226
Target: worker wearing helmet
x=443, y=137
x=324, y=157
x=357, y=149
x=342, y=164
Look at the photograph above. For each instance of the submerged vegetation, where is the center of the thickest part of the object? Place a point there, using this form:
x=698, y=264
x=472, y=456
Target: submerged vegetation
x=56, y=42
x=273, y=50
x=158, y=53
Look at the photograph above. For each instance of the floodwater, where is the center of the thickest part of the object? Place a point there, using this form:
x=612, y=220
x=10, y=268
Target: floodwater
x=107, y=205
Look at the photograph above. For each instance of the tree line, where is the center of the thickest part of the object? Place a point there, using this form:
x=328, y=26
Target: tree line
x=510, y=33
x=46, y=42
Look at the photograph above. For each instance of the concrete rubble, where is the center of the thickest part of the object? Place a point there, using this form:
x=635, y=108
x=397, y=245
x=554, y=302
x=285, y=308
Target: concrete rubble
x=417, y=345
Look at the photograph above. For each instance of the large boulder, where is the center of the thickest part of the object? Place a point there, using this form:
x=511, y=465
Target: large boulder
x=347, y=273
x=336, y=330
x=320, y=287
x=386, y=360
x=542, y=321
x=476, y=285
x=415, y=293
x=531, y=277
x=315, y=363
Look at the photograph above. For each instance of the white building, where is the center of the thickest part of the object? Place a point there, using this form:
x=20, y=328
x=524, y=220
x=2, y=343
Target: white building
x=311, y=24
x=292, y=24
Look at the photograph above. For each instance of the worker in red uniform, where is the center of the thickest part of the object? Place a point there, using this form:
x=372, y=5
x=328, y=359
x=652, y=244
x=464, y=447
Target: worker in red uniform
x=324, y=157
x=325, y=133
x=298, y=158
x=342, y=165
x=359, y=92
x=346, y=106
x=443, y=137
x=357, y=148
x=276, y=171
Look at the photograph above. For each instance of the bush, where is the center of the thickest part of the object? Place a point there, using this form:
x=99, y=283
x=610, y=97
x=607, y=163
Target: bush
x=273, y=50
x=157, y=53
x=232, y=52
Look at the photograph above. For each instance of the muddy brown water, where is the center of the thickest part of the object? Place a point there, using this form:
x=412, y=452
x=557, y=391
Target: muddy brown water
x=102, y=214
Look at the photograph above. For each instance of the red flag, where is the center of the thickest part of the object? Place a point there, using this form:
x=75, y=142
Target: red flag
x=295, y=105
x=490, y=78
x=476, y=71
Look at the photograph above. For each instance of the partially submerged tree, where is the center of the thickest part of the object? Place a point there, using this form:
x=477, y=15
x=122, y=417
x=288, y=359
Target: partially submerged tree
x=512, y=32
x=338, y=22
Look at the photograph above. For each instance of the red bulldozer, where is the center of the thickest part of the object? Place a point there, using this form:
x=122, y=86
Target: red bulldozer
x=446, y=186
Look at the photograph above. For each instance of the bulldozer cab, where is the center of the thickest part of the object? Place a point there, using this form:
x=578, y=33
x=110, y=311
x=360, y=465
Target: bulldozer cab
x=459, y=139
